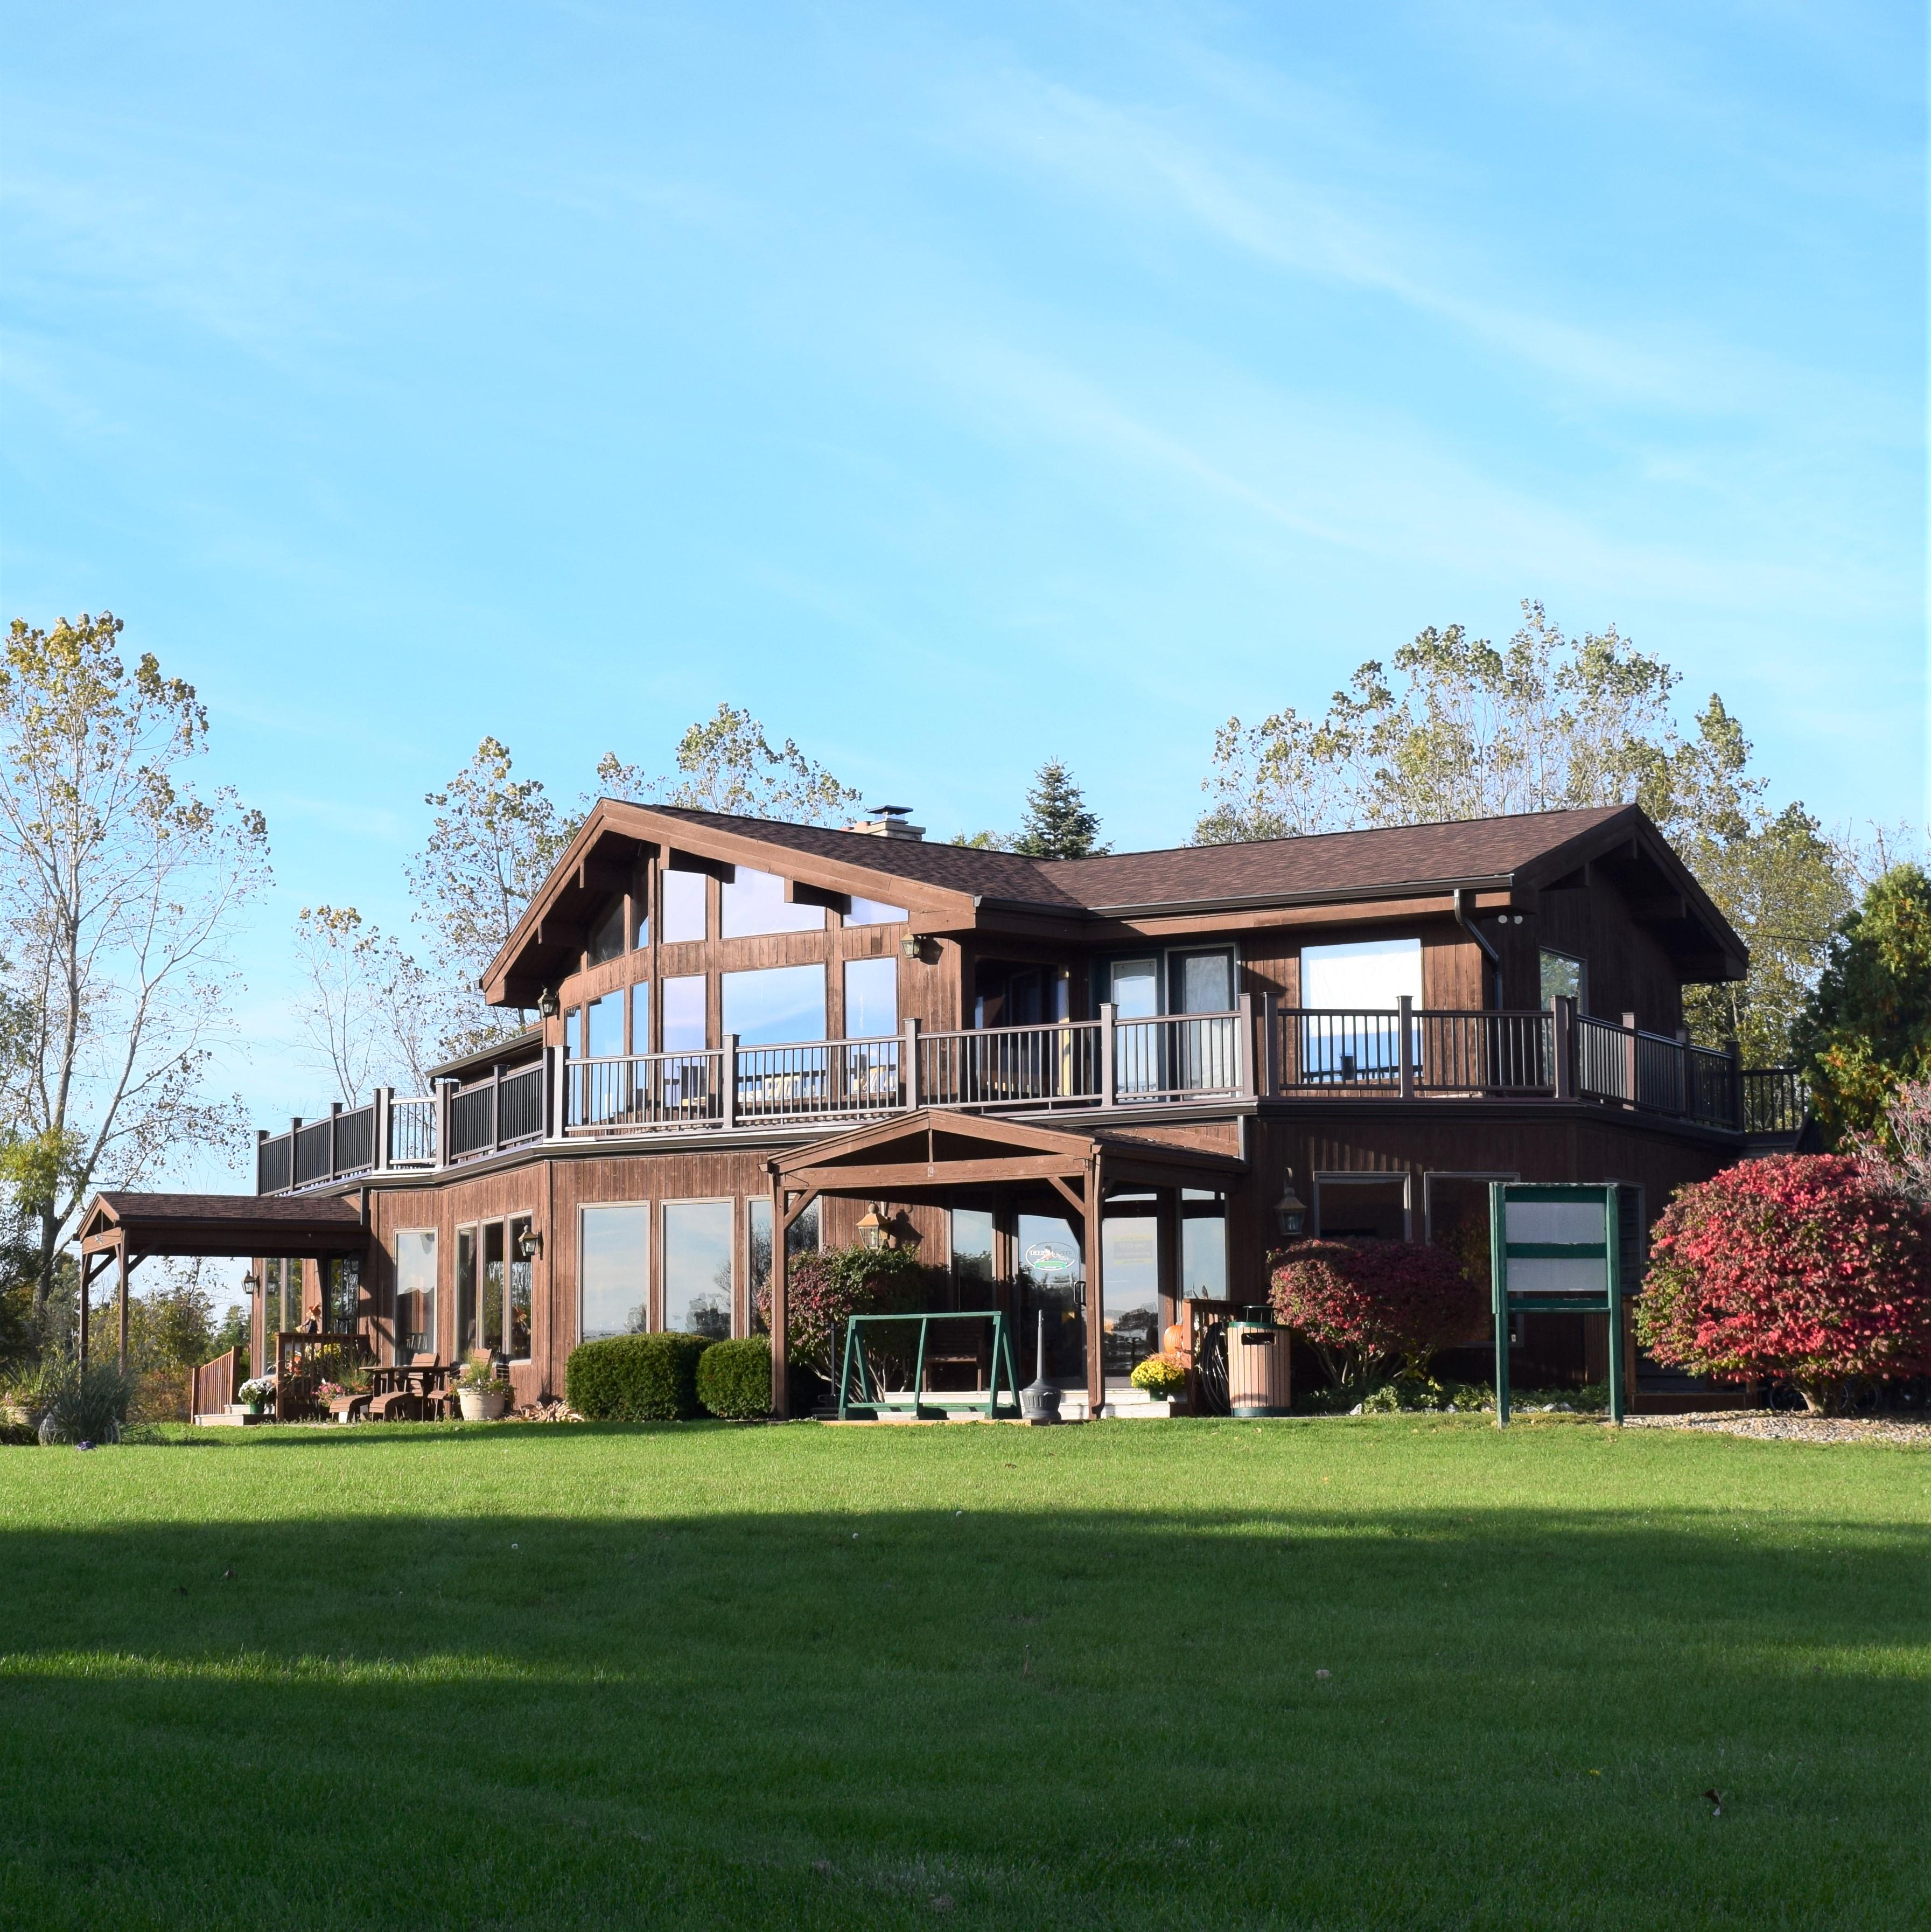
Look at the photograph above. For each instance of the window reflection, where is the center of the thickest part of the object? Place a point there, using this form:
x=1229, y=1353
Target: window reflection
x=683, y=896
x=612, y=1271
x=775, y=1005
x=754, y=903
x=697, y=1270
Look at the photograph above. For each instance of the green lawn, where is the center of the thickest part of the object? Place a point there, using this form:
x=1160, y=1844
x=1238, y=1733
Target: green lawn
x=540, y=1676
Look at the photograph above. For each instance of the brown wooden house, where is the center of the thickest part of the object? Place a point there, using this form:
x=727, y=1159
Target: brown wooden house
x=739, y=1027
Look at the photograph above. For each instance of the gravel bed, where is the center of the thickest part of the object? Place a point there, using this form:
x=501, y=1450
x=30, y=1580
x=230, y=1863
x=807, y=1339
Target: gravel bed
x=1778, y=1425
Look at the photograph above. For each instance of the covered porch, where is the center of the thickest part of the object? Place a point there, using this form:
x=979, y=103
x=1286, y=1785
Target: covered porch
x=121, y=1230
x=1092, y=1230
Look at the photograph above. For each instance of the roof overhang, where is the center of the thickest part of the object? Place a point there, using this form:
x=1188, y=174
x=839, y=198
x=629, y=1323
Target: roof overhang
x=545, y=943
x=241, y=1226
x=932, y=1150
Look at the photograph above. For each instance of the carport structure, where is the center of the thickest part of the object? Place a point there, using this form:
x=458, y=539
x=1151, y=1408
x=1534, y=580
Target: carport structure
x=121, y=1230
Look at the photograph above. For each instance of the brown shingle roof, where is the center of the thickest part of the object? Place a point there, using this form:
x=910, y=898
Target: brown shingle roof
x=1340, y=862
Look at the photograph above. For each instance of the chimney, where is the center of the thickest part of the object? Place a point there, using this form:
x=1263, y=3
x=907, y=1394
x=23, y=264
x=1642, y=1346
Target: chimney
x=888, y=821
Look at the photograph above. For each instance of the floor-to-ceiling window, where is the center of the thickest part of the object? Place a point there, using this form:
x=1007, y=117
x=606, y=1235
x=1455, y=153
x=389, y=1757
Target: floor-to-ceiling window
x=697, y=1273
x=415, y=1293
x=800, y=1238
x=613, y=1270
x=1130, y=1293
x=1203, y=1245
x=1051, y=1270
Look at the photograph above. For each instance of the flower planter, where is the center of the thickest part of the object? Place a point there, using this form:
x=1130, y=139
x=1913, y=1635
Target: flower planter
x=482, y=1404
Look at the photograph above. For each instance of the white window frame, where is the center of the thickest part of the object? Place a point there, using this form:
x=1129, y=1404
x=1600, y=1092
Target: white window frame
x=395, y=1294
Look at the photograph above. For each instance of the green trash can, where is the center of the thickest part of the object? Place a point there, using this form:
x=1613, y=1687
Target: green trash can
x=1257, y=1364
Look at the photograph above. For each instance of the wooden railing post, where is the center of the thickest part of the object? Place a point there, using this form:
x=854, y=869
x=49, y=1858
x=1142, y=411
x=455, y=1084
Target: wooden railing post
x=1736, y=1086
x=379, y=1128
x=909, y=1079
x=1270, y=1043
x=1108, y=1013
x=334, y=1121
x=1244, y=1046
x=496, y=1108
x=728, y=1069
x=1562, y=1023
x=1405, y=1047
x=261, y=1140
x=1630, y=1059
x=445, y=1087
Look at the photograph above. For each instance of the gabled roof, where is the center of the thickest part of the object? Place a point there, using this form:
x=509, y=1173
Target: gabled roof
x=223, y=1224
x=960, y=889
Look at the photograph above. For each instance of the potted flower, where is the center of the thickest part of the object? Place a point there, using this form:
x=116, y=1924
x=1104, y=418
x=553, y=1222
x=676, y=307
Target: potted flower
x=1160, y=1379
x=257, y=1395
x=482, y=1392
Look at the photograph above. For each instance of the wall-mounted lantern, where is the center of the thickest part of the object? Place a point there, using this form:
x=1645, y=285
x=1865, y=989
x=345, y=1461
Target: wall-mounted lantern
x=1290, y=1210
x=547, y=1003
x=528, y=1245
x=871, y=1225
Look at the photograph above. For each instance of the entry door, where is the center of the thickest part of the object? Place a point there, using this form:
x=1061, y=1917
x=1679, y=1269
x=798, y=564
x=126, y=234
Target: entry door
x=1052, y=1283
x=1138, y=1062
x=1205, y=1051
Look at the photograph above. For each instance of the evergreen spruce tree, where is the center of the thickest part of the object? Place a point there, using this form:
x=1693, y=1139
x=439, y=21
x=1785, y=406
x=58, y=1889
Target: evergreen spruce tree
x=1058, y=825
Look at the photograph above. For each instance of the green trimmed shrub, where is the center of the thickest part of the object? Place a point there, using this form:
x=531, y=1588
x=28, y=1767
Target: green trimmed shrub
x=734, y=1378
x=635, y=1378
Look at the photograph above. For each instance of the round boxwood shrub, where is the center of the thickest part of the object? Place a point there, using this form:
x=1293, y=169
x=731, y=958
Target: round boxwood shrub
x=635, y=1378
x=734, y=1378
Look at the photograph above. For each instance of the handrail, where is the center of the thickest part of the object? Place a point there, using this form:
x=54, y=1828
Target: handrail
x=1406, y=1052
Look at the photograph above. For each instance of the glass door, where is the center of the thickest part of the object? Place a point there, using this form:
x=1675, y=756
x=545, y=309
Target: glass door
x=1205, y=1050
x=1130, y=1298
x=1052, y=1282
x=1135, y=987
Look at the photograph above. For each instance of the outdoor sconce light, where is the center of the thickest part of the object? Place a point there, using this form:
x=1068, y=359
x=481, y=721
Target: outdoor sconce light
x=251, y=1282
x=912, y=945
x=528, y=1245
x=546, y=1004
x=1290, y=1209
x=871, y=1225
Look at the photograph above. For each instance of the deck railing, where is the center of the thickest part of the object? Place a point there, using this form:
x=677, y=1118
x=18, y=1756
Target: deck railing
x=1258, y=1051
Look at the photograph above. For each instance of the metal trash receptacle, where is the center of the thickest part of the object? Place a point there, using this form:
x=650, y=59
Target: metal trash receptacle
x=1257, y=1364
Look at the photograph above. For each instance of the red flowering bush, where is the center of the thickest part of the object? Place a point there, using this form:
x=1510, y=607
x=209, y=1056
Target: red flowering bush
x=1803, y=1268
x=823, y=1290
x=1362, y=1306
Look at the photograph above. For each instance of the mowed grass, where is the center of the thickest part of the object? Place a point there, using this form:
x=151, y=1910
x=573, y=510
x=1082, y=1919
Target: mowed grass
x=804, y=1676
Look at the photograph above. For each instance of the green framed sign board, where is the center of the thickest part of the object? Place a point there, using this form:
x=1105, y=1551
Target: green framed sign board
x=1555, y=1248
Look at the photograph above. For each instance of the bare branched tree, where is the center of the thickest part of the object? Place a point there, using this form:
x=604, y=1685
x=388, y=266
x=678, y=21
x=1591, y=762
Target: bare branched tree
x=119, y=884
x=368, y=1014
x=493, y=841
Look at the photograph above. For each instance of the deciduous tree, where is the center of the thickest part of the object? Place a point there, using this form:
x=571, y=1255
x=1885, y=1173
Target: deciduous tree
x=727, y=763
x=1866, y=1027
x=1463, y=729
x=368, y=1012
x=492, y=842
x=119, y=883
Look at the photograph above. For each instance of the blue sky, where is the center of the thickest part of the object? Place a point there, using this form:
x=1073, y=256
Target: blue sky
x=953, y=387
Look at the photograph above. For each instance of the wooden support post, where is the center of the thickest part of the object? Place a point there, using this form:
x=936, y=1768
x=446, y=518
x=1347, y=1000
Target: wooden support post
x=1244, y=1046
x=1629, y=1060
x=1498, y=1272
x=1270, y=1043
x=780, y=1302
x=1562, y=1022
x=1405, y=1047
x=1096, y=1280
x=909, y=1078
x=496, y=1108
x=335, y=1126
x=121, y=1299
x=261, y=1138
x=728, y=1073
x=86, y=1280
x=1108, y=1066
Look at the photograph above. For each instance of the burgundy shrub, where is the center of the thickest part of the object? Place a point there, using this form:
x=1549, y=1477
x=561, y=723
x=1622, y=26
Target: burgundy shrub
x=1363, y=1306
